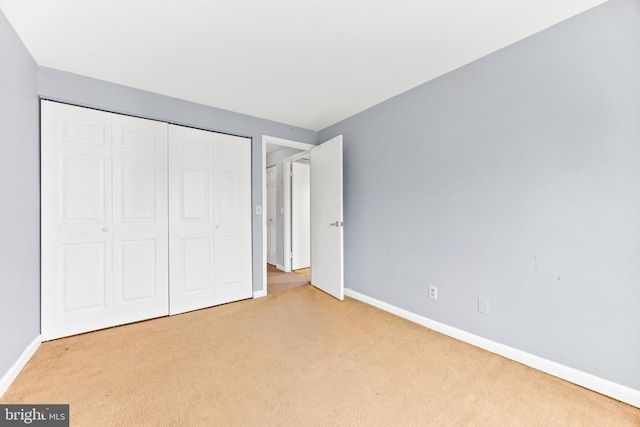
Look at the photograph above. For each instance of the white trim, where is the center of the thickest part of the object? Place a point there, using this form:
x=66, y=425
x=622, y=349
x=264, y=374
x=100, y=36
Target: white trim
x=259, y=294
x=13, y=372
x=285, y=143
x=281, y=267
x=592, y=382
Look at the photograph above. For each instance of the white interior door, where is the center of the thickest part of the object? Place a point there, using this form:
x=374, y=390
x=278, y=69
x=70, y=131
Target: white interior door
x=232, y=210
x=191, y=219
x=327, y=262
x=272, y=218
x=300, y=216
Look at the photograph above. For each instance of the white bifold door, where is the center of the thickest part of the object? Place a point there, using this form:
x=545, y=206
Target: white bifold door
x=140, y=219
x=104, y=219
x=210, y=218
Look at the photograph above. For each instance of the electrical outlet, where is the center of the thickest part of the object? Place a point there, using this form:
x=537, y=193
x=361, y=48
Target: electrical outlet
x=433, y=292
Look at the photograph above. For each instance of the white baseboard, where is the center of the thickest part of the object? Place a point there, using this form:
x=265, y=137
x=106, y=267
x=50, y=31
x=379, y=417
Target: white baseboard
x=259, y=294
x=280, y=267
x=13, y=372
x=583, y=379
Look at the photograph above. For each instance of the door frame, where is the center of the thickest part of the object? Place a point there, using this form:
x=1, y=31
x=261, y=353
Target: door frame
x=266, y=139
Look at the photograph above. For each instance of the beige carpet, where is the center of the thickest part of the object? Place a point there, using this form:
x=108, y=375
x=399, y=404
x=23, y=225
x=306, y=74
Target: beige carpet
x=297, y=358
x=278, y=280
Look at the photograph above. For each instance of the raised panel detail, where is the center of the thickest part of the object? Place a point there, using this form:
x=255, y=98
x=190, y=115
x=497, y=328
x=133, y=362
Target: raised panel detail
x=196, y=263
x=138, y=269
x=135, y=139
x=197, y=149
x=195, y=194
x=82, y=132
x=82, y=189
x=232, y=260
x=83, y=272
x=230, y=195
x=138, y=191
x=230, y=154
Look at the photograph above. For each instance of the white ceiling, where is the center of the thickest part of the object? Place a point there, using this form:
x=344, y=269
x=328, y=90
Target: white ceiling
x=307, y=63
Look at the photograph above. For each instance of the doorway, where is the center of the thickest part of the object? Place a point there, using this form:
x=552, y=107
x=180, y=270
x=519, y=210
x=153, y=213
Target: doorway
x=326, y=191
x=270, y=144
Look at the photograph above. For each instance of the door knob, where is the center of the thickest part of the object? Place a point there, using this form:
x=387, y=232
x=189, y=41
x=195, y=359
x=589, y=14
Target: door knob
x=217, y=225
x=106, y=229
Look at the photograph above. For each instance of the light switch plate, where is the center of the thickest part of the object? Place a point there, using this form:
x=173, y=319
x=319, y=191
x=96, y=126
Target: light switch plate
x=483, y=305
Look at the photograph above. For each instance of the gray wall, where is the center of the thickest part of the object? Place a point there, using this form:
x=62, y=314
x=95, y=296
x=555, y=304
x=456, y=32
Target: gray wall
x=85, y=91
x=19, y=193
x=276, y=158
x=515, y=178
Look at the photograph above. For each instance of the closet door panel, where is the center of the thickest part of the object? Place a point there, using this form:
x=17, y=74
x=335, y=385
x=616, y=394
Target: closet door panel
x=138, y=191
x=231, y=260
x=140, y=235
x=83, y=276
x=76, y=220
x=82, y=189
x=196, y=194
x=232, y=190
x=197, y=264
x=191, y=226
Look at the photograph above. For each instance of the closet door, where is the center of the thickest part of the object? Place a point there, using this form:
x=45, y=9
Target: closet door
x=76, y=188
x=104, y=221
x=191, y=221
x=209, y=219
x=140, y=219
x=232, y=209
